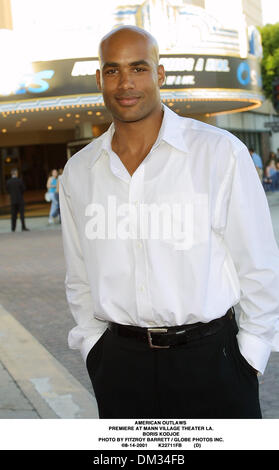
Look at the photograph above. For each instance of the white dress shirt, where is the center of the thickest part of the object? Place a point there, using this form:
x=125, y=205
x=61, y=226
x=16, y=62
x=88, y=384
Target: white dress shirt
x=221, y=250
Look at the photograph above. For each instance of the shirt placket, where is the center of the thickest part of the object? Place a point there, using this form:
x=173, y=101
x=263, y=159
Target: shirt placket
x=143, y=299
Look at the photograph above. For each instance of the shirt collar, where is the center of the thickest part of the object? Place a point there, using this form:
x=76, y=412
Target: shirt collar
x=170, y=132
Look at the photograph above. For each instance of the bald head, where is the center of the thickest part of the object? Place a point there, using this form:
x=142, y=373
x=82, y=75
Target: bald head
x=130, y=76
x=129, y=33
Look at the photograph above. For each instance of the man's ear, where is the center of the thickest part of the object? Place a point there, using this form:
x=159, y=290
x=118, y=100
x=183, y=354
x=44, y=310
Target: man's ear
x=161, y=75
x=98, y=79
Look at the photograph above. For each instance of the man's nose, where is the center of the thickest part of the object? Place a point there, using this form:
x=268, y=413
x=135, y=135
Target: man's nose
x=126, y=81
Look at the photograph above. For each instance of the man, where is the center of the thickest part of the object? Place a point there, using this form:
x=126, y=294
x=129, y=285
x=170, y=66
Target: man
x=16, y=188
x=153, y=306
x=257, y=162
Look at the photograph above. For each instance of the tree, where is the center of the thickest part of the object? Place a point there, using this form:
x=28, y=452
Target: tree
x=270, y=61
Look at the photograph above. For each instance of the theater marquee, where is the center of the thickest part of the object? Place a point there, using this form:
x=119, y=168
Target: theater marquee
x=210, y=83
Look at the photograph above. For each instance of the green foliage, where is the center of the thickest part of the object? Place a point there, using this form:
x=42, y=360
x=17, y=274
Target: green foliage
x=270, y=62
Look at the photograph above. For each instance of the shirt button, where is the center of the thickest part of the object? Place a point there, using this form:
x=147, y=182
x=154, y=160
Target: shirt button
x=142, y=288
x=140, y=244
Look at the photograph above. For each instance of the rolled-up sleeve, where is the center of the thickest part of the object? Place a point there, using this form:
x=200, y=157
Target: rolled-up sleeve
x=78, y=290
x=250, y=240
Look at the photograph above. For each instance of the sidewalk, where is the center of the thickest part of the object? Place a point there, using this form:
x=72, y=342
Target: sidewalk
x=33, y=223
x=34, y=385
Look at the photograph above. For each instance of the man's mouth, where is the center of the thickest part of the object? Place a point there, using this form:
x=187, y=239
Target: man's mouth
x=127, y=100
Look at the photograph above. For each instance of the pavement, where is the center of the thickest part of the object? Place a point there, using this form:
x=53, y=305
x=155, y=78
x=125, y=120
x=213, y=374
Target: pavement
x=34, y=383
x=34, y=359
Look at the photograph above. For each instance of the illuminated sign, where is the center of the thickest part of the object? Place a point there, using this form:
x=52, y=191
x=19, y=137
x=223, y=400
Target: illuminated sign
x=85, y=67
x=35, y=83
x=78, y=76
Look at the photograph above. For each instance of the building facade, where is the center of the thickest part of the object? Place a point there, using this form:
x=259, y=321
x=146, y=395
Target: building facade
x=211, y=51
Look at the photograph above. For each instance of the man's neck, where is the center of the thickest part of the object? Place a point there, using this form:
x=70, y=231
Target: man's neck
x=133, y=140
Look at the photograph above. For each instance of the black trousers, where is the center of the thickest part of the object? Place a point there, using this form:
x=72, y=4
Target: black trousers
x=15, y=209
x=206, y=378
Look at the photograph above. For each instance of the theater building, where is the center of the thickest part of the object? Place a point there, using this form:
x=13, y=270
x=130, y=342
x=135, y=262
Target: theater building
x=50, y=106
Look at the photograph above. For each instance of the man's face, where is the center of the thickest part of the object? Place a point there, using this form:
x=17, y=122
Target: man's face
x=130, y=77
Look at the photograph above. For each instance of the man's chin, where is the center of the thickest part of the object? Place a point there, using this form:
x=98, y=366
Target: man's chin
x=129, y=119
x=129, y=116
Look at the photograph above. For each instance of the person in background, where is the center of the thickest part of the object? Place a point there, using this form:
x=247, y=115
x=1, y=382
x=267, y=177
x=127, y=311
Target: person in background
x=257, y=162
x=51, y=186
x=272, y=156
x=56, y=212
x=272, y=174
x=16, y=188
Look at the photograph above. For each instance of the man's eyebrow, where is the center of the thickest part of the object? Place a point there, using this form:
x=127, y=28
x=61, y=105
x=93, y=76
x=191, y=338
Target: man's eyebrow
x=110, y=64
x=131, y=64
x=139, y=62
